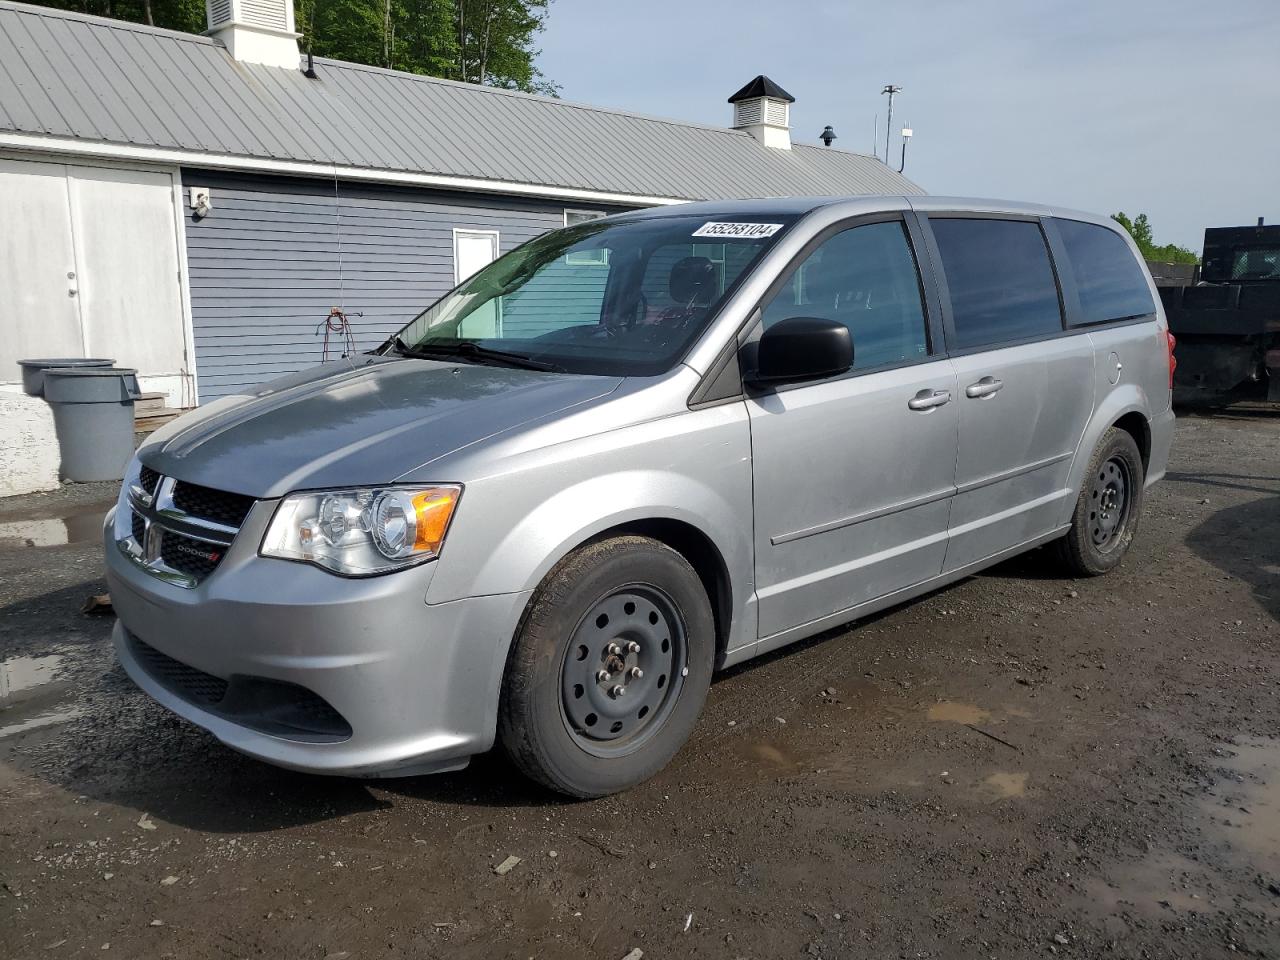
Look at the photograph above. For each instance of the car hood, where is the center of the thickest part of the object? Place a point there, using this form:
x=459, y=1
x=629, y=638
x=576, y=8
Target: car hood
x=356, y=423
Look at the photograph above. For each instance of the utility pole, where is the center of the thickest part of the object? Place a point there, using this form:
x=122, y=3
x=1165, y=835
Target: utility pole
x=890, y=89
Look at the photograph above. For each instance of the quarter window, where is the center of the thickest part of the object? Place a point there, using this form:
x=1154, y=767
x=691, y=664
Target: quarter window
x=1000, y=279
x=1110, y=283
x=865, y=278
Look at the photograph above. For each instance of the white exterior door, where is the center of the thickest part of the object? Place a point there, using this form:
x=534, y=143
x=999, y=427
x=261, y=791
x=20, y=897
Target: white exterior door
x=89, y=262
x=37, y=266
x=127, y=248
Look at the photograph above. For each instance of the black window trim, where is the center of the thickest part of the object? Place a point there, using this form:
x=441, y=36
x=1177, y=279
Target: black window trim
x=935, y=255
x=1075, y=318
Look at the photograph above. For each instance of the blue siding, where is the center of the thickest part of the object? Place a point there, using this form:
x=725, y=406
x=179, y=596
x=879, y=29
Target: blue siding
x=263, y=266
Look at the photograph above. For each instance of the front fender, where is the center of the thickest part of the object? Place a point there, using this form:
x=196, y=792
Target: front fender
x=515, y=524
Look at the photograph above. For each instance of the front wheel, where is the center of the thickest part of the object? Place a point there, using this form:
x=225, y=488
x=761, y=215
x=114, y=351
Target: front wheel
x=609, y=669
x=1106, y=515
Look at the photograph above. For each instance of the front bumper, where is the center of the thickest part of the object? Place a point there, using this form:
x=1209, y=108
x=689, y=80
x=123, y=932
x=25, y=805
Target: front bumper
x=416, y=685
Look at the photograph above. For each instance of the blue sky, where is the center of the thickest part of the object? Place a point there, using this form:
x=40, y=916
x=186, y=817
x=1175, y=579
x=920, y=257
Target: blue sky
x=1169, y=107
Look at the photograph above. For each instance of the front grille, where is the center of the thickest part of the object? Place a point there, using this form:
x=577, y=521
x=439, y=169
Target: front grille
x=180, y=530
x=149, y=479
x=268, y=706
x=188, y=682
x=229, y=509
x=193, y=557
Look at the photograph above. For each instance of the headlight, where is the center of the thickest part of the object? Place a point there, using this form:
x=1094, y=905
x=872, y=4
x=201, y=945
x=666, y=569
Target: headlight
x=359, y=533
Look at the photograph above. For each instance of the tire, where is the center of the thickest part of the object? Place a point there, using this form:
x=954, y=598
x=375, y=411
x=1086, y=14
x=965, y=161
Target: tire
x=560, y=720
x=1100, y=537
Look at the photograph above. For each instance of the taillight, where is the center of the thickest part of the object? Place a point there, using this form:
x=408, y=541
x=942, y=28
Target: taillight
x=1172, y=342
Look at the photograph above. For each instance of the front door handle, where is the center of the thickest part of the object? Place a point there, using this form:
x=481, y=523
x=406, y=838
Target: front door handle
x=986, y=387
x=928, y=399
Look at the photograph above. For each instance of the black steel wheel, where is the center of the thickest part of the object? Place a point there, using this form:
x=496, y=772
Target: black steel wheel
x=623, y=670
x=609, y=668
x=1109, y=502
x=1107, y=509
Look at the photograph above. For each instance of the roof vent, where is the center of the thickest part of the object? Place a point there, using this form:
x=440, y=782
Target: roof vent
x=762, y=109
x=255, y=31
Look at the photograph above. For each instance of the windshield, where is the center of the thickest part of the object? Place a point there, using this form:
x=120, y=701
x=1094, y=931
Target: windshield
x=623, y=298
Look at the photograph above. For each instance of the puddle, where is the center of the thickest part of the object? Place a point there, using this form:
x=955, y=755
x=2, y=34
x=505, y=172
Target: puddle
x=18, y=674
x=951, y=712
x=28, y=691
x=773, y=757
x=1153, y=887
x=82, y=525
x=40, y=720
x=1245, y=811
x=1005, y=785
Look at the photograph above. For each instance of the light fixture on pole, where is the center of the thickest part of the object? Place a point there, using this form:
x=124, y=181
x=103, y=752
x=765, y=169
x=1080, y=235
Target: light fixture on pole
x=906, y=135
x=890, y=89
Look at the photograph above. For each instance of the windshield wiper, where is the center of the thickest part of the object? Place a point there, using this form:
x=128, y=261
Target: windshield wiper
x=470, y=350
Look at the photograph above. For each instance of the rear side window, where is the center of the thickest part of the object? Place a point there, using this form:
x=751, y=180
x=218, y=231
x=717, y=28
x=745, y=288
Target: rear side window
x=1000, y=279
x=1110, y=282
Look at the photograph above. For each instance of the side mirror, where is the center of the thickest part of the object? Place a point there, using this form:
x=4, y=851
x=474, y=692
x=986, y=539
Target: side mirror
x=802, y=348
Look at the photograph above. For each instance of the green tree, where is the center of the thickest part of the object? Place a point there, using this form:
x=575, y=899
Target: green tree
x=1140, y=229
x=478, y=41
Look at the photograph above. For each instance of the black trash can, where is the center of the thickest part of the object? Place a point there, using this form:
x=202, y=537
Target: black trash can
x=33, y=371
x=93, y=415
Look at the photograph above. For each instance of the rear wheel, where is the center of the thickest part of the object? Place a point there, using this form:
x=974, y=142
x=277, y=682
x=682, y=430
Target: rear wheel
x=1106, y=515
x=610, y=668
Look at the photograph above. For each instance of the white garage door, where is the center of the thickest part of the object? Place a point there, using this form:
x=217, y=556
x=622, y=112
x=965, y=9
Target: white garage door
x=89, y=262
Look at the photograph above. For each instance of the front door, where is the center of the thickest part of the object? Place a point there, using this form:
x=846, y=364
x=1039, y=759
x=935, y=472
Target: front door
x=853, y=475
x=1025, y=385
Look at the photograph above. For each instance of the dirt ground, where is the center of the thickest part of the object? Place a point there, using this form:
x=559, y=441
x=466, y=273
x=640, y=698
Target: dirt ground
x=1016, y=766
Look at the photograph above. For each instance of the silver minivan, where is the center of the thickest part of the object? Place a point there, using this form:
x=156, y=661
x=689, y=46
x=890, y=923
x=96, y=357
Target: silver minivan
x=630, y=453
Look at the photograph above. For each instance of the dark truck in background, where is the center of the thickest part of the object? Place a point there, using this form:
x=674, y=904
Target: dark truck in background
x=1227, y=321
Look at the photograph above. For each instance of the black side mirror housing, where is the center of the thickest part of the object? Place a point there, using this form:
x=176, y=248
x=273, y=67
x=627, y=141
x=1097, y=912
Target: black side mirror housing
x=802, y=348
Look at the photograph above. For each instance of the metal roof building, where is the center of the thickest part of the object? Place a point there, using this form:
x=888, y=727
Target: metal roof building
x=245, y=196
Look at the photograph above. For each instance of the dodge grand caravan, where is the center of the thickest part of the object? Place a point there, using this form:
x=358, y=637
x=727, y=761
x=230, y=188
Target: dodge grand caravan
x=627, y=454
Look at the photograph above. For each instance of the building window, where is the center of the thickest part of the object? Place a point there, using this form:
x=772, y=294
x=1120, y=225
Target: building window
x=473, y=250
x=582, y=258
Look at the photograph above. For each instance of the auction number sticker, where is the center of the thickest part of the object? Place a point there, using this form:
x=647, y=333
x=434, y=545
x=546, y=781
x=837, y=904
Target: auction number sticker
x=746, y=231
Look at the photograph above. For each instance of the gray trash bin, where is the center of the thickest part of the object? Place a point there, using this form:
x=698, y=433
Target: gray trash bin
x=93, y=414
x=33, y=371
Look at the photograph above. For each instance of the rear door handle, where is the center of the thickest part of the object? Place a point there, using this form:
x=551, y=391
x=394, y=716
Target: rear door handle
x=986, y=387
x=928, y=399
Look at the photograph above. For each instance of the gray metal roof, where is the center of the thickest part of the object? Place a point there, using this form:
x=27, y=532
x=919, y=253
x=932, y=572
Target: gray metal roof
x=69, y=75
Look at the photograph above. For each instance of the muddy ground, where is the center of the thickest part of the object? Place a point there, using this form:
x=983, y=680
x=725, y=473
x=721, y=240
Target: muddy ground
x=1020, y=765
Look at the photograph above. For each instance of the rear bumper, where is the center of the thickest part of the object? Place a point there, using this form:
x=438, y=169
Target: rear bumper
x=1162, y=426
x=414, y=687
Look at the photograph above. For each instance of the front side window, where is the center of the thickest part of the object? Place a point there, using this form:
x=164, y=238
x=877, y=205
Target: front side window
x=865, y=278
x=1000, y=279
x=610, y=297
x=1109, y=280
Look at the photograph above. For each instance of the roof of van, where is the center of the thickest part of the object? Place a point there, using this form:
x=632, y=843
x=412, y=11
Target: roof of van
x=794, y=206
